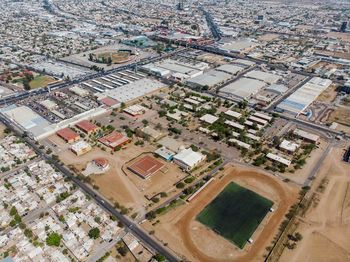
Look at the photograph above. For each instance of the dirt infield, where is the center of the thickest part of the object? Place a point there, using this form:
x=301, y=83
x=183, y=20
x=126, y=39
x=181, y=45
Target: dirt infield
x=195, y=242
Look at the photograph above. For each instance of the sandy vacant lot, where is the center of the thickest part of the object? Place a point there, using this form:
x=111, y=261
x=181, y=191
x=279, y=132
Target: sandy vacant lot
x=2, y=128
x=340, y=115
x=326, y=225
x=114, y=184
x=192, y=241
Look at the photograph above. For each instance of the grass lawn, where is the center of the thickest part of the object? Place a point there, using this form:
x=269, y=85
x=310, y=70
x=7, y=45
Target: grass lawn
x=235, y=213
x=37, y=82
x=41, y=81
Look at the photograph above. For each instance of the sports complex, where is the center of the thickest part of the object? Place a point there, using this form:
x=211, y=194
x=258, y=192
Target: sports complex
x=235, y=213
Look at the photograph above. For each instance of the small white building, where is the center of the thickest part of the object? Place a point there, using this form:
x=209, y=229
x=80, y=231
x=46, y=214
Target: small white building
x=209, y=119
x=306, y=135
x=278, y=159
x=289, y=146
x=81, y=147
x=188, y=159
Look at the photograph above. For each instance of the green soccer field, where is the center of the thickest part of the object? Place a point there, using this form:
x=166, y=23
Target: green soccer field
x=235, y=213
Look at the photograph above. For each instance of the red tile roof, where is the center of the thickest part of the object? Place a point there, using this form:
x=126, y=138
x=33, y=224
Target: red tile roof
x=67, y=134
x=114, y=139
x=109, y=101
x=87, y=126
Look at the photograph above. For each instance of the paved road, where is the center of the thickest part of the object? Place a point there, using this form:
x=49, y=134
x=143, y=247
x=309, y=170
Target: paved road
x=128, y=223
x=19, y=96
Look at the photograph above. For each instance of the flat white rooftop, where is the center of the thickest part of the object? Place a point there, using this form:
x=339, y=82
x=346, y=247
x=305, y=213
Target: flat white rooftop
x=134, y=90
x=233, y=114
x=243, y=88
x=268, y=78
x=208, y=118
x=306, y=135
x=278, y=159
x=289, y=145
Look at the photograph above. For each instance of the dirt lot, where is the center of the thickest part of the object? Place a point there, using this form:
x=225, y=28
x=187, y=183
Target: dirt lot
x=192, y=241
x=2, y=128
x=328, y=95
x=326, y=225
x=114, y=184
x=268, y=37
x=340, y=115
x=342, y=36
x=211, y=58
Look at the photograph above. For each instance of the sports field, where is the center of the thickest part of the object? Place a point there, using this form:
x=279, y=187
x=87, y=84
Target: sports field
x=235, y=213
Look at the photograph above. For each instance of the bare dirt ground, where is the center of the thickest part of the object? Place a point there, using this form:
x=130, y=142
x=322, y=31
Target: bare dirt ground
x=340, y=115
x=342, y=36
x=114, y=184
x=325, y=226
x=2, y=128
x=268, y=37
x=328, y=95
x=193, y=241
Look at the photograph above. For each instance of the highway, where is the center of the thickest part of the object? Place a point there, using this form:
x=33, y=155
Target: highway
x=25, y=94
x=147, y=240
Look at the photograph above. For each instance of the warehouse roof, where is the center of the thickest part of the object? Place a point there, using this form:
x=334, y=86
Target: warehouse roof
x=268, y=78
x=229, y=68
x=29, y=120
x=165, y=153
x=210, y=78
x=243, y=88
x=134, y=90
x=244, y=62
x=297, y=102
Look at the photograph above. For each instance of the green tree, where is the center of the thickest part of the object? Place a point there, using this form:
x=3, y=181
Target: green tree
x=94, y=233
x=53, y=239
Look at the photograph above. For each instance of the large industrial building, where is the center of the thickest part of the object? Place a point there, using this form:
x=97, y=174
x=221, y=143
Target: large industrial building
x=266, y=77
x=297, y=102
x=37, y=126
x=243, y=88
x=209, y=79
x=27, y=119
x=229, y=68
x=178, y=70
x=134, y=90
